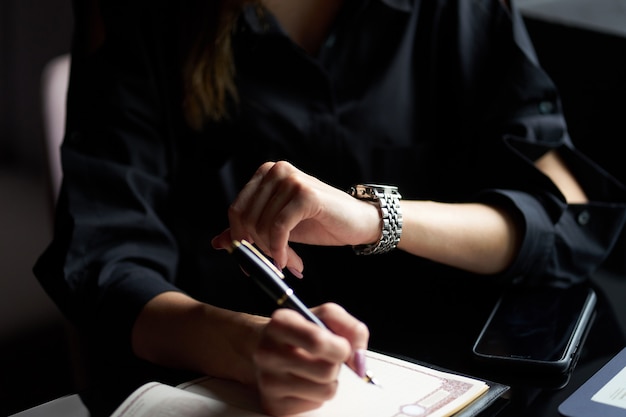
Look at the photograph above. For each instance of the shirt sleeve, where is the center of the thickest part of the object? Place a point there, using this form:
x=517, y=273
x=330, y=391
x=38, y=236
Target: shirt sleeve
x=113, y=249
x=562, y=243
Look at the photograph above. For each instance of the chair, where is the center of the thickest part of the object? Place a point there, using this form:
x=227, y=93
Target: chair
x=54, y=84
x=88, y=36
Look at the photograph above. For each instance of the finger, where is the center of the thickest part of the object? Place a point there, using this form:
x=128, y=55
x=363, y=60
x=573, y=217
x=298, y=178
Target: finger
x=285, y=394
x=271, y=217
x=272, y=228
x=295, y=265
x=277, y=358
x=223, y=240
x=293, y=329
x=292, y=206
x=285, y=406
x=244, y=210
x=343, y=324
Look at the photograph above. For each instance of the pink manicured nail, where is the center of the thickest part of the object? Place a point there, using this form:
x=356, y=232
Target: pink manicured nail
x=359, y=363
x=295, y=272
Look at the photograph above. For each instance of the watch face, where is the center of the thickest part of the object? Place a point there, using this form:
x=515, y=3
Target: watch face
x=373, y=191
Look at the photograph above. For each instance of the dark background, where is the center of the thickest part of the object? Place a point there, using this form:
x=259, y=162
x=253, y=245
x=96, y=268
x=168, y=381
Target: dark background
x=35, y=355
x=34, y=358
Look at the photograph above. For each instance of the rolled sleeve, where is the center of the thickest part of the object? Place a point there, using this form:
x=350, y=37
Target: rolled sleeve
x=113, y=248
x=537, y=232
x=558, y=253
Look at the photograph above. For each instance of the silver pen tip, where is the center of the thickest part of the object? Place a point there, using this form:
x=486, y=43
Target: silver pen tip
x=369, y=378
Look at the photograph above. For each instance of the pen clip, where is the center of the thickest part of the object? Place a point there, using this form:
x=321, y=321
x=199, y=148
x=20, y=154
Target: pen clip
x=259, y=255
x=271, y=280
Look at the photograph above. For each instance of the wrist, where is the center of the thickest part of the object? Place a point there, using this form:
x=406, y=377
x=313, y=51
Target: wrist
x=229, y=351
x=177, y=331
x=387, y=199
x=372, y=222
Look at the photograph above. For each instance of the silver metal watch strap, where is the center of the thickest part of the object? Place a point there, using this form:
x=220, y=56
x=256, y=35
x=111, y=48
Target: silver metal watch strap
x=388, y=199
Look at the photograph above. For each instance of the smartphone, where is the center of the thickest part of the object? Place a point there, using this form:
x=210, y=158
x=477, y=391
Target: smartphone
x=537, y=332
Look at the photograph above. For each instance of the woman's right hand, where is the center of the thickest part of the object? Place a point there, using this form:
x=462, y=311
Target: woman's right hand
x=282, y=204
x=298, y=362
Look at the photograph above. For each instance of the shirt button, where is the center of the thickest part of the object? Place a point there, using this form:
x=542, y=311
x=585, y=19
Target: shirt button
x=546, y=107
x=583, y=217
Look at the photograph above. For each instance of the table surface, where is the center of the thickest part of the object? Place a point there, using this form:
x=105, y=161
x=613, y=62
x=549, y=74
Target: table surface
x=72, y=406
x=606, y=339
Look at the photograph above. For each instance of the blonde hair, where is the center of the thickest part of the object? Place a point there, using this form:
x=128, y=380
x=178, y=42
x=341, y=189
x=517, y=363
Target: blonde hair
x=208, y=66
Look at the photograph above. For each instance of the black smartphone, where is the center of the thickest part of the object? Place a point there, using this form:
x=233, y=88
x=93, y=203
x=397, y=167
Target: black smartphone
x=537, y=332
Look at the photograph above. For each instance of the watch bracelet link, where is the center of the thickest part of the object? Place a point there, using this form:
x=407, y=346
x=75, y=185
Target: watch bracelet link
x=388, y=199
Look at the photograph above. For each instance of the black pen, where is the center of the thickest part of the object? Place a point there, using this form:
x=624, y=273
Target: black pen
x=270, y=279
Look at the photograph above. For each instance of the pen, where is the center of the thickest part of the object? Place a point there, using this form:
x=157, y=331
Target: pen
x=270, y=279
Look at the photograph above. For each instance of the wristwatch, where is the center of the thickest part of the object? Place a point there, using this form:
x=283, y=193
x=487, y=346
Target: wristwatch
x=388, y=199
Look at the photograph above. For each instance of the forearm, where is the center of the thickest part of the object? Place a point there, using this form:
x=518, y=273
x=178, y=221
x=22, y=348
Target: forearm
x=472, y=236
x=475, y=237
x=176, y=331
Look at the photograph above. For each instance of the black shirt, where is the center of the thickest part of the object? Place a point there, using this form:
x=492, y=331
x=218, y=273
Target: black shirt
x=443, y=98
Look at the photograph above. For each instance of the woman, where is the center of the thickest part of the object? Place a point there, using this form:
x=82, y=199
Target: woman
x=202, y=122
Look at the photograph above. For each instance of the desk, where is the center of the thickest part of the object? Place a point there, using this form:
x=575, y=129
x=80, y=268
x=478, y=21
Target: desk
x=606, y=339
x=545, y=406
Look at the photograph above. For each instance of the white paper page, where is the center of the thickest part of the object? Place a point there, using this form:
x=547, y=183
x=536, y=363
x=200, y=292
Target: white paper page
x=614, y=392
x=407, y=390
x=159, y=400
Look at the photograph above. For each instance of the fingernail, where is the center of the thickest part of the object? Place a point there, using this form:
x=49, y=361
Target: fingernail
x=295, y=272
x=359, y=362
x=214, y=242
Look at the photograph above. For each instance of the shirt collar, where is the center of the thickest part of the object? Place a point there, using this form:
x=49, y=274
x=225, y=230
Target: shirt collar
x=261, y=24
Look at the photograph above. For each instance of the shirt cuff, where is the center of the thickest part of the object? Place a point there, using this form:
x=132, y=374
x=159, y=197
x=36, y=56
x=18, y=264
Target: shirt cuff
x=122, y=302
x=537, y=233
